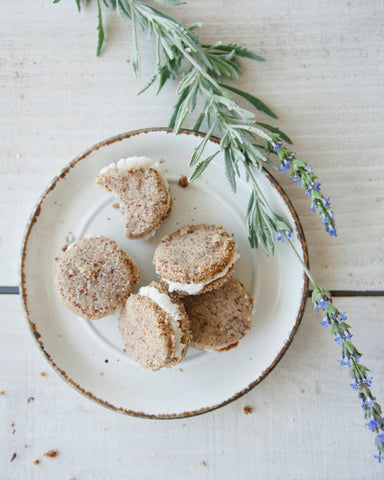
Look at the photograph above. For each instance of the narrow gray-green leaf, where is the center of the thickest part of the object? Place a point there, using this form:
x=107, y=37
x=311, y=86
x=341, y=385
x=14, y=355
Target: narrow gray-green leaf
x=279, y=132
x=170, y=3
x=200, y=149
x=176, y=108
x=240, y=51
x=202, y=166
x=100, y=28
x=256, y=102
x=229, y=170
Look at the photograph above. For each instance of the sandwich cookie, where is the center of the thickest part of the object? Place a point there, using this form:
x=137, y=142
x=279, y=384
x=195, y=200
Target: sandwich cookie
x=220, y=318
x=95, y=277
x=155, y=328
x=142, y=191
x=195, y=259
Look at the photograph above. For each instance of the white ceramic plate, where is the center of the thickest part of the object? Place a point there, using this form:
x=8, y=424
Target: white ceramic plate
x=89, y=354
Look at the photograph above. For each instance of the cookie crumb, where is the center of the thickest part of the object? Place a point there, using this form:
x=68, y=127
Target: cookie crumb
x=116, y=205
x=181, y=370
x=203, y=464
x=50, y=454
x=64, y=248
x=302, y=390
x=31, y=399
x=183, y=181
x=36, y=462
x=2, y=392
x=248, y=410
x=56, y=259
x=13, y=457
x=42, y=374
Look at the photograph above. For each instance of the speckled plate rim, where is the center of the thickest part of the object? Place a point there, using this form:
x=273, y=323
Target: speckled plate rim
x=33, y=328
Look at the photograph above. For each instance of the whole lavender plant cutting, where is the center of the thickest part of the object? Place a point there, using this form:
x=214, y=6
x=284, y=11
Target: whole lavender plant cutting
x=203, y=72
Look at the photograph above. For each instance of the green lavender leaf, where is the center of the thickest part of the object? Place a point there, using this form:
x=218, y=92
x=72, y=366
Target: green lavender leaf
x=256, y=102
x=100, y=28
x=201, y=147
x=202, y=166
x=229, y=170
x=279, y=132
x=240, y=51
x=170, y=3
x=181, y=100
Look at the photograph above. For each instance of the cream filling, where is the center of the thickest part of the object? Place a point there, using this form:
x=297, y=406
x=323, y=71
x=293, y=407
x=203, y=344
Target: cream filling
x=194, y=288
x=172, y=309
x=131, y=163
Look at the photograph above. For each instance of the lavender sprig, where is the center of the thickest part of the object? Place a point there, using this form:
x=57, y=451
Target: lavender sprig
x=303, y=175
x=350, y=357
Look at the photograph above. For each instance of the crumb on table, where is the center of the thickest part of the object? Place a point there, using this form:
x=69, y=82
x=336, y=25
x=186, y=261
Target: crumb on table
x=2, y=392
x=183, y=181
x=36, y=462
x=203, y=464
x=43, y=374
x=13, y=457
x=30, y=399
x=248, y=410
x=50, y=454
x=116, y=205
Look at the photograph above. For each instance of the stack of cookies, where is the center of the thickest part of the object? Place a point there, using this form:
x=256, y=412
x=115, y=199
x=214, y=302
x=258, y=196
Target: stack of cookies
x=196, y=302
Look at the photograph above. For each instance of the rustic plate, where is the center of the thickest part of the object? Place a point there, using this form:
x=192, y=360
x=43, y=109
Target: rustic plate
x=89, y=354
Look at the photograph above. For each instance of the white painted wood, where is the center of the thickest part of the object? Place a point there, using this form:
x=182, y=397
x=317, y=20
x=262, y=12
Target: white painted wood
x=307, y=421
x=323, y=77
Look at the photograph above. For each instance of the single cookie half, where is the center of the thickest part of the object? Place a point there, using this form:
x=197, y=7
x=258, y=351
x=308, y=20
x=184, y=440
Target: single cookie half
x=155, y=328
x=95, y=277
x=220, y=318
x=142, y=191
x=195, y=259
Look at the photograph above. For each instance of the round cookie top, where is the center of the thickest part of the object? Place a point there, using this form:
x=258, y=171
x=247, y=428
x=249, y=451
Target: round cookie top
x=142, y=191
x=220, y=318
x=95, y=277
x=195, y=254
x=154, y=328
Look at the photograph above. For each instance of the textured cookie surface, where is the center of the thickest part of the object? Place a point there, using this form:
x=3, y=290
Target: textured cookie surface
x=144, y=198
x=220, y=318
x=95, y=277
x=147, y=332
x=194, y=254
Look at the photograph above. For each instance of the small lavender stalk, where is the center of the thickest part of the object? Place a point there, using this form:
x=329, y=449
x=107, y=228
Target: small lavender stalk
x=350, y=356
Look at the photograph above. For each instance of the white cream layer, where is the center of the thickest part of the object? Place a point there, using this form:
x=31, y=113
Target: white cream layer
x=194, y=288
x=131, y=163
x=172, y=309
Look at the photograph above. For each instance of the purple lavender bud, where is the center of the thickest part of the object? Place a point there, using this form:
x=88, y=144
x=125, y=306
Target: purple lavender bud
x=368, y=381
x=316, y=307
x=323, y=304
x=372, y=424
x=354, y=385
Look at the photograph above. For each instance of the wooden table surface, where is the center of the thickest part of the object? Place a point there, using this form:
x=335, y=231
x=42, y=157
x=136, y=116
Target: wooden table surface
x=324, y=78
